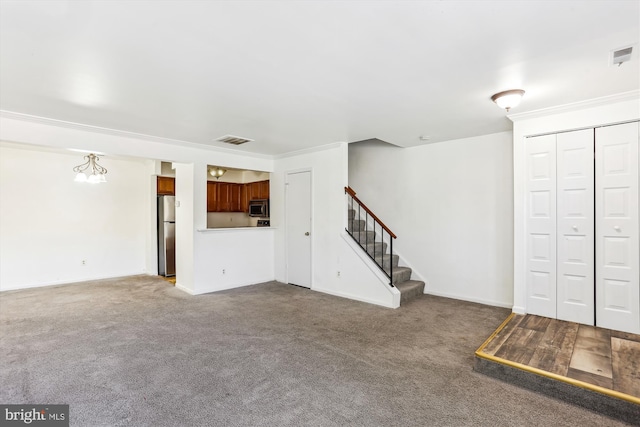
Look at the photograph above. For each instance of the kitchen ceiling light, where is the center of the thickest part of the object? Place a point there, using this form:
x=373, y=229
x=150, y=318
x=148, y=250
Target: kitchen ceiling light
x=508, y=99
x=217, y=172
x=91, y=166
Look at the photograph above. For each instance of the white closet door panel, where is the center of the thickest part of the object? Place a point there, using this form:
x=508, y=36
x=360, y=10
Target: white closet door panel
x=575, y=226
x=617, y=240
x=541, y=225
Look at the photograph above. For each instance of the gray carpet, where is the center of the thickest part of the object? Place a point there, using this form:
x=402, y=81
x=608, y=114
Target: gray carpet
x=138, y=352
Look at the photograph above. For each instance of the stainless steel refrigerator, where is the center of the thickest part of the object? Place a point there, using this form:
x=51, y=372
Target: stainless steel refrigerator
x=167, y=235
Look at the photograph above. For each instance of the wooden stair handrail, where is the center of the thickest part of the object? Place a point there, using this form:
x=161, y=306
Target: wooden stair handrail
x=352, y=193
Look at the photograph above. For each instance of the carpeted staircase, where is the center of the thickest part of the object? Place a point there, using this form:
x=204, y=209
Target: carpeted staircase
x=377, y=249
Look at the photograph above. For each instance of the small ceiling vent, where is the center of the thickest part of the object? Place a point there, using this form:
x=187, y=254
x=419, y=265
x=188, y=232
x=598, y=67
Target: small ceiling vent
x=619, y=56
x=235, y=140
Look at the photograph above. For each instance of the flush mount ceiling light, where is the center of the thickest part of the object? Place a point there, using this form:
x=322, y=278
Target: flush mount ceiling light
x=508, y=99
x=91, y=166
x=217, y=172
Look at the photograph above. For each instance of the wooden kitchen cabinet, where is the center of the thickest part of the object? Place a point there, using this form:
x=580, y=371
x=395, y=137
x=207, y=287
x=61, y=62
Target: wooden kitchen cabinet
x=212, y=196
x=166, y=186
x=258, y=190
x=244, y=198
x=263, y=190
x=224, y=197
x=235, y=197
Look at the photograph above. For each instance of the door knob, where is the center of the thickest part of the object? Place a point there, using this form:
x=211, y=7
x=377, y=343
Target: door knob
x=306, y=234
x=617, y=228
x=575, y=228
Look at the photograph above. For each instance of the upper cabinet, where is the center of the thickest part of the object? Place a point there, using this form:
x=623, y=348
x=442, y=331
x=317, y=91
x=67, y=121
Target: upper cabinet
x=166, y=186
x=225, y=197
x=212, y=196
x=258, y=190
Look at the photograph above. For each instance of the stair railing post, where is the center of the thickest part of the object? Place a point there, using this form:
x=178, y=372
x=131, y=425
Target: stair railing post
x=366, y=235
x=359, y=219
x=354, y=214
x=391, y=260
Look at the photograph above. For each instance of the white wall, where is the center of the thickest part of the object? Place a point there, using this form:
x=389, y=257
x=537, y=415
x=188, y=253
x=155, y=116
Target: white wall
x=592, y=113
x=232, y=258
x=190, y=184
x=330, y=252
x=185, y=225
x=451, y=206
x=49, y=223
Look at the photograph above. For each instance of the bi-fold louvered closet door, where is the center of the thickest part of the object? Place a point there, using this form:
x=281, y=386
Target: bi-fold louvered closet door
x=583, y=249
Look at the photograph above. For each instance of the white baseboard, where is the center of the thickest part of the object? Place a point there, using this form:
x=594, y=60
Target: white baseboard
x=68, y=282
x=471, y=299
x=519, y=310
x=183, y=289
x=354, y=297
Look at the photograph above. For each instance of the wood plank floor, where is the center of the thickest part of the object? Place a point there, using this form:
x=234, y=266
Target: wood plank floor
x=597, y=356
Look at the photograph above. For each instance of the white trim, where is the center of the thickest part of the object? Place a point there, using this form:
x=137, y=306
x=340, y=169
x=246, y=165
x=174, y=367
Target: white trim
x=476, y=300
x=184, y=289
x=312, y=231
x=115, y=132
x=72, y=282
x=519, y=310
x=354, y=297
x=307, y=150
x=589, y=103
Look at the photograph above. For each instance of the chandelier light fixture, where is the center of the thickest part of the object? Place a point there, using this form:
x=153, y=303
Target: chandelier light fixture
x=508, y=99
x=92, y=168
x=217, y=172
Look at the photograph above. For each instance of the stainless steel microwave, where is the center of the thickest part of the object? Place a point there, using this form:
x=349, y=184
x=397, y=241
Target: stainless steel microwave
x=259, y=208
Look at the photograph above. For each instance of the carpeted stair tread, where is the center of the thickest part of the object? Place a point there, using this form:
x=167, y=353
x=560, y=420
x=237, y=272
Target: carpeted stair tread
x=364, y=236
x=410, y=289
x=356, y=224
x=375, y=249
x=386, y=259
x=400, y=274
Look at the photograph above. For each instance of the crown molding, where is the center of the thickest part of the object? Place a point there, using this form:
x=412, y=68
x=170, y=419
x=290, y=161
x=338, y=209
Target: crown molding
x=309, y=150
x=124, y=134
x=580, y=105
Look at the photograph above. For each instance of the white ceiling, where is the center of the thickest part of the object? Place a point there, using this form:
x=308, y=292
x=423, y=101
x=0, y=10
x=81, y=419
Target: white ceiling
x=294, y=75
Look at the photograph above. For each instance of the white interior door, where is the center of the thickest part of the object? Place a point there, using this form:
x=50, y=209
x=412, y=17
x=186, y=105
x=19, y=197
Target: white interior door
x=575, y=226
x=541, y=225
x=617, y=251
x=298, y=228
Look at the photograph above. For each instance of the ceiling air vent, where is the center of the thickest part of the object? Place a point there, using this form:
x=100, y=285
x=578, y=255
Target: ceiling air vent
x=235, y=140
x=619, y=56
